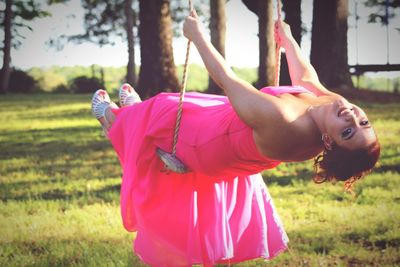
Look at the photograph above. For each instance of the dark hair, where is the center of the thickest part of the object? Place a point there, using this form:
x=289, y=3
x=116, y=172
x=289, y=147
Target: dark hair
x=344, y=164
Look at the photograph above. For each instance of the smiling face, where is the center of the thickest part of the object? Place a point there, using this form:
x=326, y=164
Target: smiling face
x=347, y=125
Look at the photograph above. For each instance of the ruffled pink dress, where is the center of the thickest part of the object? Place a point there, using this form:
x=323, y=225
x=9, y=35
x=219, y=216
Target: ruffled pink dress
x=221, y=210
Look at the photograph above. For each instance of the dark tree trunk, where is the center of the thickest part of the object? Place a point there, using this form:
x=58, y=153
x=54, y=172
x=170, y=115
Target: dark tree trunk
x=329, y=42
x=5, y=71
x=130, y=24
x=266, y=69
x=292, y=9
x=157, y=70
x=217, y=30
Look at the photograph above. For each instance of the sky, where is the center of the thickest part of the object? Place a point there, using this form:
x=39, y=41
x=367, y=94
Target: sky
x=241, y=40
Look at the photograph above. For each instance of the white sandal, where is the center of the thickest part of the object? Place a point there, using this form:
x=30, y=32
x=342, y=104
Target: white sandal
x=128, y=95
x=100, y=102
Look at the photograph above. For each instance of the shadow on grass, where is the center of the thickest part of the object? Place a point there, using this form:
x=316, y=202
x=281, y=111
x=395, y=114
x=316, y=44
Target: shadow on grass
x=77, y=252
x=55, y=163
x=63, y=169
x=74, y=114
x=108, y=194
x=50, y=143
x=388, y=168
x=303, y=175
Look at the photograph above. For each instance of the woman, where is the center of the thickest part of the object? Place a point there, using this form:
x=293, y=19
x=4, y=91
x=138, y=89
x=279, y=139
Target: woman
x=221, y=210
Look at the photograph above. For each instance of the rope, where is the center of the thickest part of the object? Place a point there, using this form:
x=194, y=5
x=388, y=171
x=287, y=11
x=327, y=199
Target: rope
x=278, y=50
x=182, y=92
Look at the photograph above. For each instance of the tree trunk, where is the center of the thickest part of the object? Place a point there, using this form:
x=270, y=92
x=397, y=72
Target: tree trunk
x=5, y=71
x=157, y=70
x=292, y=9
x=217, y=30
x=329, y=42
x=130, y=24
x=266, y=68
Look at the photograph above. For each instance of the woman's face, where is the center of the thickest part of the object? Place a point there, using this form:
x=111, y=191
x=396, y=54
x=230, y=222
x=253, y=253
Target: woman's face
x=348, y=126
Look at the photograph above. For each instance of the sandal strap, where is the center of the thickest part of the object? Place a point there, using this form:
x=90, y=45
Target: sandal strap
x=99, y=109
x=131, y=99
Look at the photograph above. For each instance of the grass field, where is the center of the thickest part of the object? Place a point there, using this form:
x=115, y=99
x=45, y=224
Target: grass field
x=60, y=179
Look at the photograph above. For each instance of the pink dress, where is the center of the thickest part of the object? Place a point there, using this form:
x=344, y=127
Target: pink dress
x=221, y=210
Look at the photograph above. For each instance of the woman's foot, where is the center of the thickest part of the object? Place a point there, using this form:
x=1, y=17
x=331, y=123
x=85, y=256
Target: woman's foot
x=128, y=95
x=101, y=109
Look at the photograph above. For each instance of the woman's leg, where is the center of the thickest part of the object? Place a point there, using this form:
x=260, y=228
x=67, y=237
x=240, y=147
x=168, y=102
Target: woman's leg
x=109, y=117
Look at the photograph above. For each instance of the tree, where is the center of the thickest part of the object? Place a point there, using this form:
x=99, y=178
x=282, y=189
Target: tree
x=217, y=31
x=382, y=15
x=329, y=42
x=14, y=18
x=5, y=70
x=130, y=16
x=157, y=70
x=292, y=10
x=105, y=20
x=266, y=69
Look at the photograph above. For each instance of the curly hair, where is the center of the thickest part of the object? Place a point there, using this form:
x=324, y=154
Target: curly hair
x=344, y=164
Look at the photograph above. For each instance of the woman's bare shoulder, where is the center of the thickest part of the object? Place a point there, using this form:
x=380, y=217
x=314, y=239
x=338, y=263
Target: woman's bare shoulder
x=297, y=141
x=294, y=136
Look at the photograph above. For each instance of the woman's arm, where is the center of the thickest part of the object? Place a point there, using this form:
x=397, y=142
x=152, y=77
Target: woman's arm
x=301, y=71
x=252, y=106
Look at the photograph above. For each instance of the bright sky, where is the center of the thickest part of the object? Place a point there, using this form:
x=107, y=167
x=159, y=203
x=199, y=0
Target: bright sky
x=241, y=40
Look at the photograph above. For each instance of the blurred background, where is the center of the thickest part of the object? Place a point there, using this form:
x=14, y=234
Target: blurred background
x=54, y=42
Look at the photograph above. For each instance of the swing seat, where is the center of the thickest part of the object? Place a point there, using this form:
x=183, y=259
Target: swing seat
x=171, y=161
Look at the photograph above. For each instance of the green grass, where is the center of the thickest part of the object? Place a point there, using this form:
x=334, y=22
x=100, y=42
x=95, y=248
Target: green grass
x=60, y=180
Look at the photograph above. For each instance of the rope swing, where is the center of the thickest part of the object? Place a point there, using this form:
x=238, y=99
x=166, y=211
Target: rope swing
x=171, y=162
